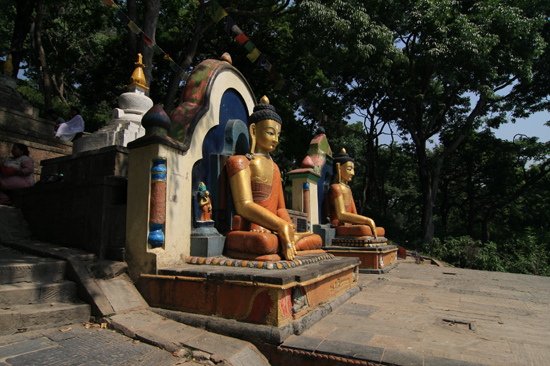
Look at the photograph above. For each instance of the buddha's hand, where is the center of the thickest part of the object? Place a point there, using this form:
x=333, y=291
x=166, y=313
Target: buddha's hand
x=286, y=235
x=370, y=223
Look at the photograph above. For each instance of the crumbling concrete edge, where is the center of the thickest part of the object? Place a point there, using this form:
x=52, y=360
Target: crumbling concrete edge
x=257, y=332
x=378, y=271
x=77, y=271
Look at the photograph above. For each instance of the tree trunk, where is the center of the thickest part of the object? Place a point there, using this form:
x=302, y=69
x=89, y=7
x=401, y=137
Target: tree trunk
x=150, y=19
x=429, y=181
x=131, y=38
x=23, y=21
x=186, y=59
x=427, y=223
x=46, y=79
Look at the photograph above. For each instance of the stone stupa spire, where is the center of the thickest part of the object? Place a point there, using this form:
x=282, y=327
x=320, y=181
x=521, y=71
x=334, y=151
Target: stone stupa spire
x=137, y=80
x=125, y=124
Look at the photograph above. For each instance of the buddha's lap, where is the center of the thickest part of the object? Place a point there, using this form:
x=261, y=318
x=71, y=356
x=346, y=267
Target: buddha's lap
x=265, y=243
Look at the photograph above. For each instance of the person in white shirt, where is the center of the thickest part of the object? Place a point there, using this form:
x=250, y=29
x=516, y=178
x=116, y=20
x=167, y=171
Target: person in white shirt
x=68, y=130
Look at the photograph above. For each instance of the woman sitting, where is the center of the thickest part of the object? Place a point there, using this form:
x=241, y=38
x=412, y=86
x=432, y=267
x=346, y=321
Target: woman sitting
x=16, y=172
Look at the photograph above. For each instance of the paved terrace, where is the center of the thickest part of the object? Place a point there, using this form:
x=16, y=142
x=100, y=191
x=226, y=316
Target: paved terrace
x=413, y=315
x=430, y=315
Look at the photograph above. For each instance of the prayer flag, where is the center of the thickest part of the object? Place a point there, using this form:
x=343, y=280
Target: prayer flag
x=146, y=39
x=122, y=17
x=215, y=5
x=272, y=73
x=229, y=23
x=174, y=66
x=133, y=27
x=249, y=46
x=241, y=38
x=167, y=57
x=235, y=29
x=219, y=14
x=293, y=93
x=109, y=3
x=157, y=49
x=267, y=66
x=260, y=62
x=253, y=56
x=280, y=82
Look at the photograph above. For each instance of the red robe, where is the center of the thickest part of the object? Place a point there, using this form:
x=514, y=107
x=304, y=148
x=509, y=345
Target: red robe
x=244, y=244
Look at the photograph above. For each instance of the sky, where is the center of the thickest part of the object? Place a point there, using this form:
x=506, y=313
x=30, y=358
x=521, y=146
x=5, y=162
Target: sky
x=532, y=126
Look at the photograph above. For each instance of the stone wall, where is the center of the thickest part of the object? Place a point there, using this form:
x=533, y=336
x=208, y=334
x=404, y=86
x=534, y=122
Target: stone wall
x=87, y=210
x=35, y=132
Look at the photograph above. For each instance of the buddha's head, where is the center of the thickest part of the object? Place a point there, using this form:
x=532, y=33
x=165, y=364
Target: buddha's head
x=264, y=127
x=344, y=167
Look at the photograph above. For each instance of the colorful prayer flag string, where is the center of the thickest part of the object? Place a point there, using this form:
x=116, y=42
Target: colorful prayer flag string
x=148, y=40
x=230, y=27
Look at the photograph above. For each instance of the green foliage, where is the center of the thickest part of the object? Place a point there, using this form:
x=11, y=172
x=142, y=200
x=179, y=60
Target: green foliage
x=7, y=16
x=522, y=255
x=465, y=252
x=526, y=254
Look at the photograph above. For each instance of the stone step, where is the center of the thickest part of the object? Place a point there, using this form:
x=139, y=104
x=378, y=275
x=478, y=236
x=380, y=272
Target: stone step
x=18, y=267
x=21, y=318
x=32, y=270
x=24, y=293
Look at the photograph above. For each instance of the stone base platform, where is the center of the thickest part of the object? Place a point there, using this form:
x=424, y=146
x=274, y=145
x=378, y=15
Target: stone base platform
x=268, y=297
x=374, y=259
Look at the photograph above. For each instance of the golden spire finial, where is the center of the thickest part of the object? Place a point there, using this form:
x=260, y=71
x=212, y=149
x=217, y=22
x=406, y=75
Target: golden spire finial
x=264, y=100
x=138, y=77
x=8, y=65
x=343, y=151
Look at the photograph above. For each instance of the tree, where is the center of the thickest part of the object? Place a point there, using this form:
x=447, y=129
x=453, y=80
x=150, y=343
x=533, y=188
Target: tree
x=483, y=181
x=22, y=27
x=450, y=61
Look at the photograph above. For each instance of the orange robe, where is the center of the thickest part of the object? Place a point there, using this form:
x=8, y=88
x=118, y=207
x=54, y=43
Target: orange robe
x=347, y=229
x=241, y=242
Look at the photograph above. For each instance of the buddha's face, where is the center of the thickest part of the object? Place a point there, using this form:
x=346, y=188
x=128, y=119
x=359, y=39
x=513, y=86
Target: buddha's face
x=347, y=171
x=267, y=135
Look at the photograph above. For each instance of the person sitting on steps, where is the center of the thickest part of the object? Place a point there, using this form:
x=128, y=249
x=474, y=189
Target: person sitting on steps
x=68, y=130
x=16, y=172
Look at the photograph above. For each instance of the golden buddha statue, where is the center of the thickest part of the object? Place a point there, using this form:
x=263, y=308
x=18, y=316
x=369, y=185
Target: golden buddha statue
x=343, y=213
x=262, y=229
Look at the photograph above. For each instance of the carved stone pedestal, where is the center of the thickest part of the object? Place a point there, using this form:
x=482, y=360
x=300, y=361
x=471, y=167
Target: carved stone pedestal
x=206, y=241
x=375, y=258
x=283, y=300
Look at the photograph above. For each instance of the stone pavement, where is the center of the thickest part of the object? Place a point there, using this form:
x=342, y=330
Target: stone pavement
x=430, y=315
x=93, y=346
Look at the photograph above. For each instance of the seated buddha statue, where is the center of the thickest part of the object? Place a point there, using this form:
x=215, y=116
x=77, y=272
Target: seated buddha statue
x=262, y=229
x=343, y=213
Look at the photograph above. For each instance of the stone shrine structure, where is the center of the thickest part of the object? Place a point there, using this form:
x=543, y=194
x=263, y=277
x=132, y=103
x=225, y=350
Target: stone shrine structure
x=87, y=210
x=310, y=193
x=209, y=127
x=125, y=124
